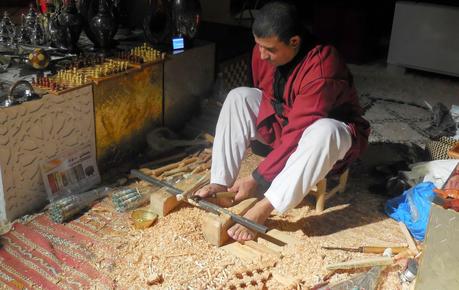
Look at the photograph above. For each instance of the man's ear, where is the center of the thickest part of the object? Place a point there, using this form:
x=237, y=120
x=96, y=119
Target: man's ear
x=295, y=41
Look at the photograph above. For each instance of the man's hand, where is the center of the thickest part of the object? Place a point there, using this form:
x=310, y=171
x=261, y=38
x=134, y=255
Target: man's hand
x=210, y=189
x=245, y=187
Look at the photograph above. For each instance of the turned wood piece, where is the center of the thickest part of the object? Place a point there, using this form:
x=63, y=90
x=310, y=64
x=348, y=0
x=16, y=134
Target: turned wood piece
x=321, y=193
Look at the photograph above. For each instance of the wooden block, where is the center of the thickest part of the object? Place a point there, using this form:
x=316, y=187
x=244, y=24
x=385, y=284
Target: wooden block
x=251, y=251
x=162, y=202
x=214, y=226
x=243, y=252
x=268, y=247
x=273, y=245
x=262, y=249
x=282, y=237
x=287, y=281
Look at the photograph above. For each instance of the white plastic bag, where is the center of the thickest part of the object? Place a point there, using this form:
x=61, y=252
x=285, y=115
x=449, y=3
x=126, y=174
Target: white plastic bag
x=436, y=171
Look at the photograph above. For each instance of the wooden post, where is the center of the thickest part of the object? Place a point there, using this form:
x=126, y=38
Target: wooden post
x=320, y=195
x=162, y=202
x=343, y=181
x=214, y=226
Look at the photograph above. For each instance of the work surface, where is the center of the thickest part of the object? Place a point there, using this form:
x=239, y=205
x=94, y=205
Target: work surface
x=175, y=250
x=173, y=253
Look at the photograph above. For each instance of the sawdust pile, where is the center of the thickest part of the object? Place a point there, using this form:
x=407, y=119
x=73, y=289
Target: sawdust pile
x=173, y=254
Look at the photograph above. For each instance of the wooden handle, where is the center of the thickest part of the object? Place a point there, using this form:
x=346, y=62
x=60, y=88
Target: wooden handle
x=224, y=194
x=369, y=262
x=182, y=163
x=380, y=250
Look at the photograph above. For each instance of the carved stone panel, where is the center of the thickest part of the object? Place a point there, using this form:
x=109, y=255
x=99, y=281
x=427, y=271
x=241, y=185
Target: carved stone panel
x=34, y=132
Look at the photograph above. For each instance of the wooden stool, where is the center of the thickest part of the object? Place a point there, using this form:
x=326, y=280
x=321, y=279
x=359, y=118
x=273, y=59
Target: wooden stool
x=321, y=193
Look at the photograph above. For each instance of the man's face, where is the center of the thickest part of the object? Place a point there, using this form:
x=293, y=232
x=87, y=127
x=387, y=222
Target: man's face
x=276, y=51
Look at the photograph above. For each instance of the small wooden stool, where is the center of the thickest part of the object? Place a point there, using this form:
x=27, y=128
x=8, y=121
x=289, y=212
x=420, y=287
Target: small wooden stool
x=322, y=195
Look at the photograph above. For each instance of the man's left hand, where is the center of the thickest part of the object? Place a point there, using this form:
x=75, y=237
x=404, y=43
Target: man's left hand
x=245, y=187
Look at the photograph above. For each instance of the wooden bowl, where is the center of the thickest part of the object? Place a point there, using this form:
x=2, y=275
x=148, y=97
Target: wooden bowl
x=143, y=218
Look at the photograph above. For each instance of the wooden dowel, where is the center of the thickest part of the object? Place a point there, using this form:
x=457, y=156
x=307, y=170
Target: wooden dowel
x=409, y=238
x=370, y=262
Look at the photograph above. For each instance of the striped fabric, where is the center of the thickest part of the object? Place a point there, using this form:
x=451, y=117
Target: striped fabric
x=43, y=255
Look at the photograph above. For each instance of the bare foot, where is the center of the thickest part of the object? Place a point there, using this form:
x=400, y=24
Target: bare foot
x=259, y=213
x=210, y=190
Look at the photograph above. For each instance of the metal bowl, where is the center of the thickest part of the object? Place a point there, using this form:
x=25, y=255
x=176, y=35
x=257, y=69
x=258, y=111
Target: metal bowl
x=143, y=218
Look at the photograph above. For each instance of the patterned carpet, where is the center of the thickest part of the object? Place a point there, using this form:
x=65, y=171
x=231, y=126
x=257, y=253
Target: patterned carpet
x=43, y=255
x=395, y=121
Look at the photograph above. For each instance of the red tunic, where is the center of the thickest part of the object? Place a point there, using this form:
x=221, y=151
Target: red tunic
x=320, y=86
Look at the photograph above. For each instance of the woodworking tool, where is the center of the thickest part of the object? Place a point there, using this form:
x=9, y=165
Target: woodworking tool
x=411, y=270
x=369, y=249
x=236, y=218
x=203, y=203
x=155, y=181
x=69, y=206
x=362, y=263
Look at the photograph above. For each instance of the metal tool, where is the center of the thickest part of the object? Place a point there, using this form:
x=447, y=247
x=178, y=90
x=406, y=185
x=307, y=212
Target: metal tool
x=368, y=249
x=65, y=208
x=155, y=181
x=236, y=218
x=203, y=203
x=410, y=272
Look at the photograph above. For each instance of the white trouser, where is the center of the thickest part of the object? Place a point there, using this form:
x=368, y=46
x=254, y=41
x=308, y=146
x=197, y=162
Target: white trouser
x=322, y=144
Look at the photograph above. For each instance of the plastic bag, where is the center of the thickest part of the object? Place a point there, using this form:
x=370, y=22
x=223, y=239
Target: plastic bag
x=413, y=208
x=436, y=171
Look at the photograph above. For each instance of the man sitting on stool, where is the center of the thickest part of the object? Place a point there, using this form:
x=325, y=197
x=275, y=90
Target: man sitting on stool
x=303, y=106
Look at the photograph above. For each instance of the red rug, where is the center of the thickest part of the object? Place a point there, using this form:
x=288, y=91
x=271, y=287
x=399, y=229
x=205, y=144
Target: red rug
x=42, y=254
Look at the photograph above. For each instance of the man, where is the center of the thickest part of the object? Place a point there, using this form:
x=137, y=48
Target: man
x=303, y=106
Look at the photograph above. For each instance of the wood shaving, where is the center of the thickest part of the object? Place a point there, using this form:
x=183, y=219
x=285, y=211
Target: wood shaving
x=173, y=254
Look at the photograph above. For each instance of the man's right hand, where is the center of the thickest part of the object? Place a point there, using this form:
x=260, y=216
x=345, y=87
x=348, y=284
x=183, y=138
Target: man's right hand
x=211, y=189
x=245, y=188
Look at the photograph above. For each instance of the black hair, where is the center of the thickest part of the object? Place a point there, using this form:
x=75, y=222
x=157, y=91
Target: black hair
x=279, y=19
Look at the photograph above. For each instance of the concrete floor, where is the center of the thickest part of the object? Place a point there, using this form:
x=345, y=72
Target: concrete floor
x=412, y=86
x=397, y=122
